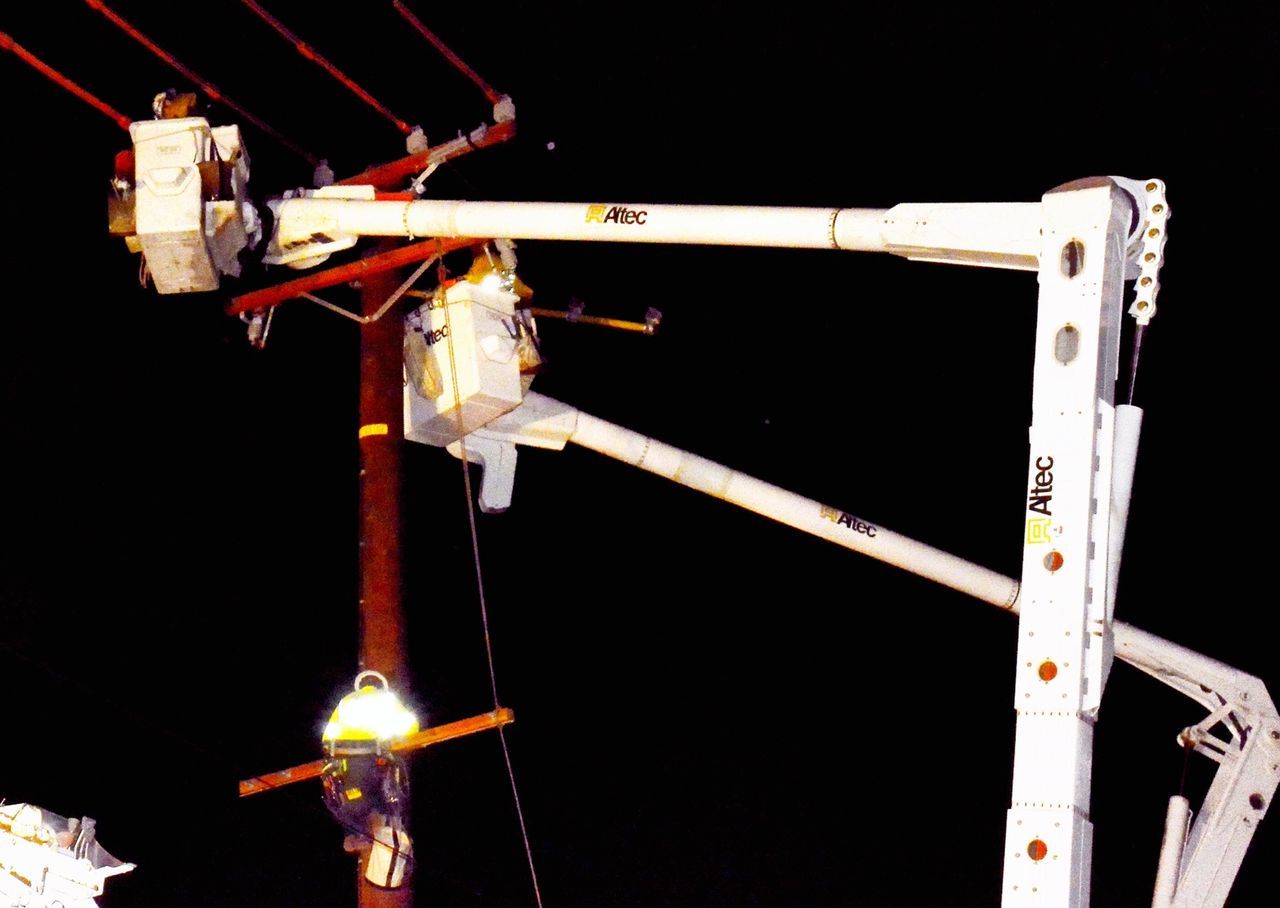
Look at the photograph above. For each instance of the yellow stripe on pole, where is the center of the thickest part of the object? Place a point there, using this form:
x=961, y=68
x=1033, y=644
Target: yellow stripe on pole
x=374, y=428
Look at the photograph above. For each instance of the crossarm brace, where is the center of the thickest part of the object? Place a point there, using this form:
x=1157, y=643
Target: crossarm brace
x=425, y=738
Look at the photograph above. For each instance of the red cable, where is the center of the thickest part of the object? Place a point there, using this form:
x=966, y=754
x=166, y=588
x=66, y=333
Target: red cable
x=7, y=43
x=394, y=172
x=449, y=55
x=311, y=54
x=210, y=90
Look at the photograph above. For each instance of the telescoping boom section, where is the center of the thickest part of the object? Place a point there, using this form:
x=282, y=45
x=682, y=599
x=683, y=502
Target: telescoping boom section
x=999, y=235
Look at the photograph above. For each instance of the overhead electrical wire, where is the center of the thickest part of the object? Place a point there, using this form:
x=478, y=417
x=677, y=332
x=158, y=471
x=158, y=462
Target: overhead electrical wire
x=309, y=52
x=7, y=43
x=211, y=91
x=408, y=16
x=441, y=278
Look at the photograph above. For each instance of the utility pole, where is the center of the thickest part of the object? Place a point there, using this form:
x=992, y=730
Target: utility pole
x=381, y=435
x=382, y=646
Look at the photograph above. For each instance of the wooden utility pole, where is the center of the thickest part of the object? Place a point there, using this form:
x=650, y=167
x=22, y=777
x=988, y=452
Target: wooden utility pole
x=381, y=434
x=382, y=646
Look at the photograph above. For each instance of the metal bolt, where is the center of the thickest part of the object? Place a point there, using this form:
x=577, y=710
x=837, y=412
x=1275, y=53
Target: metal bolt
x=1152, y=187
x=1156, y=209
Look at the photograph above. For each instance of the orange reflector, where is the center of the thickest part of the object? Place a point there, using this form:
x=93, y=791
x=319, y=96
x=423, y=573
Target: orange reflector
x=1047, y=671
x=1036, y=850
x=1053, y=560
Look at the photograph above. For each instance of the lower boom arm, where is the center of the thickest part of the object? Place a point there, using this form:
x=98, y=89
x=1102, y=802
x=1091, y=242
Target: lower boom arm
x=1248, y=752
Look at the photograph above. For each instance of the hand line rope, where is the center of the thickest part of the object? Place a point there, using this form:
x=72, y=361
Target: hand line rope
x=441, y=277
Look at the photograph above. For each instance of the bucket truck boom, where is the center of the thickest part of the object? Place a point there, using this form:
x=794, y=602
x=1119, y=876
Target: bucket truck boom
x=468, y=390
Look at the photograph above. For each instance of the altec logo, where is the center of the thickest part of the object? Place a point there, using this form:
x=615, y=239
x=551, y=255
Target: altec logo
x=840, y=518
x=434, y=336
x=1042, y=487
x=615, y=214
x=1038, y=530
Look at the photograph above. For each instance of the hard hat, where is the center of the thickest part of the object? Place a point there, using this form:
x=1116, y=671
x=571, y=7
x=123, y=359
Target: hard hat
x=487, y=272
x=368, y=718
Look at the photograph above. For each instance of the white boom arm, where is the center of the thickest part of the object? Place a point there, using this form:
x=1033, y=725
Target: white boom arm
x=191, y=229
x=1004, y=235
x=544, y=422
x=1248, y=755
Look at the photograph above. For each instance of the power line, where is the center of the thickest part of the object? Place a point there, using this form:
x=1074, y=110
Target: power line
x=7, y=43
x=211, y=91
x=408, y=16
x=314, y=56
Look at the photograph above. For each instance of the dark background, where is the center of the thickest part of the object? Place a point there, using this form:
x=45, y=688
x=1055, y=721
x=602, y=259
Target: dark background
x=712, y=709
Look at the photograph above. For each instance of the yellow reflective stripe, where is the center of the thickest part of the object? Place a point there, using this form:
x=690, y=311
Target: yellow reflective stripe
x=374, y=428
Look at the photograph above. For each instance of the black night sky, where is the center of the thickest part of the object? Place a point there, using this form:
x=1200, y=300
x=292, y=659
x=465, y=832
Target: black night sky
x=711, y=709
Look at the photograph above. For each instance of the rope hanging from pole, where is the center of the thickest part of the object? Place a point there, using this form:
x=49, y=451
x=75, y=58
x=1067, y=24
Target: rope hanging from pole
x=441, y=282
